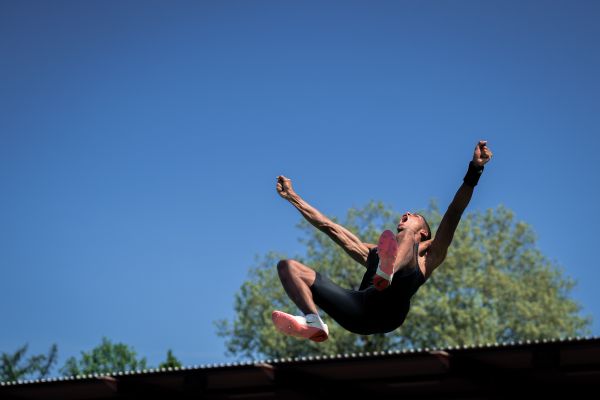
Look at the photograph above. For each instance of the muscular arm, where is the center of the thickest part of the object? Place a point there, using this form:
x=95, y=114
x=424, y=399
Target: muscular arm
x=443, y=237
x=445, y=232
x=351, y=244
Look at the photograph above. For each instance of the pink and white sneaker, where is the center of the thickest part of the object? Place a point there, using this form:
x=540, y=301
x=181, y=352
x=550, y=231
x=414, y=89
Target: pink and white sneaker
x=387, y=249
x=293, y=325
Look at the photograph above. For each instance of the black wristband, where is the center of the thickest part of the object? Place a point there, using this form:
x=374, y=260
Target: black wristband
x=473, y=174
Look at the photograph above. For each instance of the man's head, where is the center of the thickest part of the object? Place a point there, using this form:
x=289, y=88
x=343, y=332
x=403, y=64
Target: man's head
x=415, y=223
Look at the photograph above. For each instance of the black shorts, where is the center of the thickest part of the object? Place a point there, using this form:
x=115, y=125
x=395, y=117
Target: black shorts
x=368, y=310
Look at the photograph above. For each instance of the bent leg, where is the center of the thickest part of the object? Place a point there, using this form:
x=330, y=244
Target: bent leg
x=297, y=279
x=406, y=260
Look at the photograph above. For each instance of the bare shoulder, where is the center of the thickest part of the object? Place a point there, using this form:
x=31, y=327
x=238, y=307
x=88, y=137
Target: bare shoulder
x=431, y=256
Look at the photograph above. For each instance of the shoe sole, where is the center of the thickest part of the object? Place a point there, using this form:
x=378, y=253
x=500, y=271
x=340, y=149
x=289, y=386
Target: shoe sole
x=288, y=325
x=387, y=249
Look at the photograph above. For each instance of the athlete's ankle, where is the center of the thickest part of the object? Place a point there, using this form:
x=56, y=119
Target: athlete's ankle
x=314, y=319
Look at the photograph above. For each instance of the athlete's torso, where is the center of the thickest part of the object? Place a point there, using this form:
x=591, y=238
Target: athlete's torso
x=404, y=283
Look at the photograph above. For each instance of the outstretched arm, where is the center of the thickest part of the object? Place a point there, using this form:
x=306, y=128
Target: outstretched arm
x=439, y=245
x=342, y=236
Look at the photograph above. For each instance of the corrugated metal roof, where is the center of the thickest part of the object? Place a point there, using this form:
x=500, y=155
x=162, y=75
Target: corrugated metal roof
x=306, y=359
x=566, y=367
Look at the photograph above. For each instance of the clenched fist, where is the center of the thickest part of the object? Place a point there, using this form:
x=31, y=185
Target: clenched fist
x=482, y=153
x=284, y=187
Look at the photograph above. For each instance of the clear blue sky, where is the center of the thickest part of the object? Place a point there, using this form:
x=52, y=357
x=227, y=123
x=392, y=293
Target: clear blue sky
x=140, y=142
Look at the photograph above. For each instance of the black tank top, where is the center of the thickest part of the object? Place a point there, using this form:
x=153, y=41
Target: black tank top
x=404, y=283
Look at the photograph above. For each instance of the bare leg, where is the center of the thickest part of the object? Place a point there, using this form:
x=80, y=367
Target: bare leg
x=406, y=252
x=297, y=279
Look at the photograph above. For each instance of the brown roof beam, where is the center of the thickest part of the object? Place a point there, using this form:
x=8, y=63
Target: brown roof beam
x=286, y=379
x=133, y=386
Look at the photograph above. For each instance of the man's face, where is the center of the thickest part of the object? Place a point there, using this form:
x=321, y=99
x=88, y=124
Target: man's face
x=409, y=221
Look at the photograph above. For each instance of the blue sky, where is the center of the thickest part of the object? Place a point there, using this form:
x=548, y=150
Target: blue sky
x=140, y=142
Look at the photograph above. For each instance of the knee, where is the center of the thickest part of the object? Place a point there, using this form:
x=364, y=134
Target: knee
x=285, y=267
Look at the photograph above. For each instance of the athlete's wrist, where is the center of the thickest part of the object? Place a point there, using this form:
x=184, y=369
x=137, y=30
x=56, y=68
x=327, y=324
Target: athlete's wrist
x=473, y=174
x=292, y=196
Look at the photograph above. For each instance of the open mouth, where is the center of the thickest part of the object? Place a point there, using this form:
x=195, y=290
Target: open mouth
x=402, y=221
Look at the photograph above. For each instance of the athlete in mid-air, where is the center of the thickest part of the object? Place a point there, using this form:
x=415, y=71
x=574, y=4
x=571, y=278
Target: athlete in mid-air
x=396, y=266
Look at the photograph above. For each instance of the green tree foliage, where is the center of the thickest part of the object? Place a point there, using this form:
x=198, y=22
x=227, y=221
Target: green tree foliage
x=494, y=286
x=171, y=361
x=14, y=367
x=104, y=358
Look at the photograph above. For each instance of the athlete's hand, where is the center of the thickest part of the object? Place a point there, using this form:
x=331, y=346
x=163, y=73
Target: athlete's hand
x=284, y=187
x=482, y=153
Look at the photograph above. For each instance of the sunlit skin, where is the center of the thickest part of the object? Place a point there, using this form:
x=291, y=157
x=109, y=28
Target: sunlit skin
x=412, y=223
x=297, y=278
x=411, y=229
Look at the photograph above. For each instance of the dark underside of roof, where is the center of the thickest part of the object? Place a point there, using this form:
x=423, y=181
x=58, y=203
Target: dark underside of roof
x=556, y=368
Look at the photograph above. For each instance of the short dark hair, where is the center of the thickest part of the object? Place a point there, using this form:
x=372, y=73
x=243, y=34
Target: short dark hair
x=428, y=227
